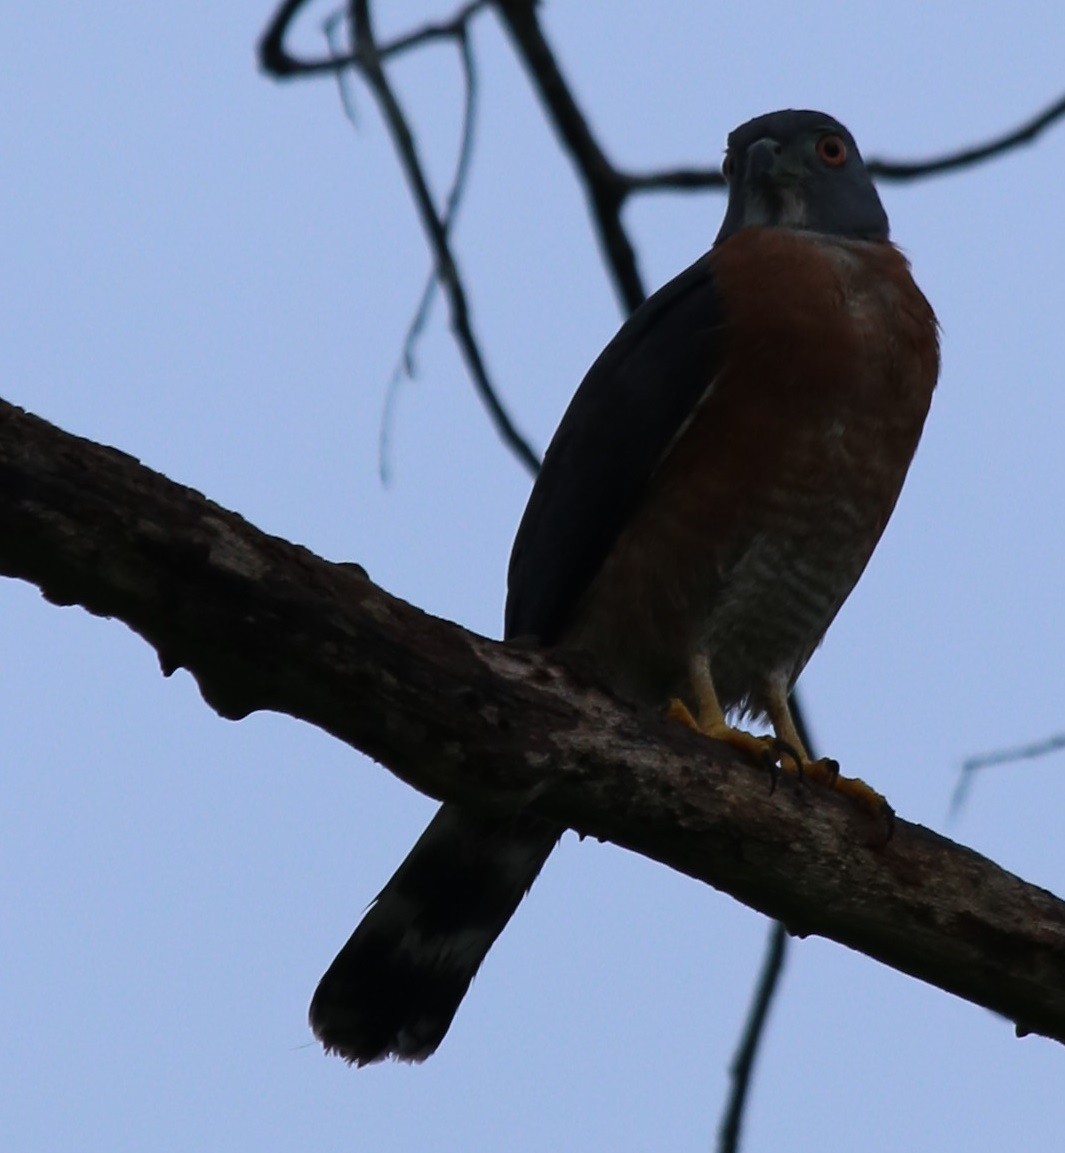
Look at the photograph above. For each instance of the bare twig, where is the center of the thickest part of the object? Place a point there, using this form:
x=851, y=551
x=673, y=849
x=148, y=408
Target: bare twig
x=612, y=186
x=605, y=189
x=275, y=58
x=1000, y=757
x=366, y=57
x=741, y=1071
x=742, y=1067
x=699, y=179
x=369, y=63
x=902, y=170
x=674, y=180
x=406, y=369
x=406, y=365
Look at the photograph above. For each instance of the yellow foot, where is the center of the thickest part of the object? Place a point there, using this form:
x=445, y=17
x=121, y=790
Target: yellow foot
x=774, y=753
x=826, y=772
x=770, y=751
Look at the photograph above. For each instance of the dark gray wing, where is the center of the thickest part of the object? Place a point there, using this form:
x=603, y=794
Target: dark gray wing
x=630, y=405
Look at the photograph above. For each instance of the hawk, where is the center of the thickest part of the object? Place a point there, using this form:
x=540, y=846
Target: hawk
x=714, y=491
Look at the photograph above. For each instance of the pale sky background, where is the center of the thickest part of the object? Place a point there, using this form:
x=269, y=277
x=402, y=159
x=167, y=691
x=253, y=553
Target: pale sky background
x=214, y=272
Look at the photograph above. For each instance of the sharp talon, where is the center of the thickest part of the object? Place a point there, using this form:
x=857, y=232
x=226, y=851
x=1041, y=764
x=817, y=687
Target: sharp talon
x=769, y=763
x=773, y=778
x=773, y=759
x=783, y=749
x=768, y=751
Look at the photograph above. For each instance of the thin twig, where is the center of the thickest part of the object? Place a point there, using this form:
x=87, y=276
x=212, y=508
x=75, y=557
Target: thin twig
x=406, y=365
x=741, y=1070
x=699, y=179
x=605, y=189
x=1001, y=757
x=347, y=100
x=674, y=180
x=406, y=369
x=369, y=63
x=612, y=186
x=275, y=58
x=742, y=1066
x=901, y=170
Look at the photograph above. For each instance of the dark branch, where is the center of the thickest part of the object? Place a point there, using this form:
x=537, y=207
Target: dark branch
x=264, y=624
x=1027, y=752
x=276, y=60
x=405, y=366
x=754, y=1030
x=366, y=57
x=605, y=189
x=901, y=170
x=608, y=186
x=742, y=1067
x=274, y=57
x=699, y=179
x=435, y=226
x=674, y=180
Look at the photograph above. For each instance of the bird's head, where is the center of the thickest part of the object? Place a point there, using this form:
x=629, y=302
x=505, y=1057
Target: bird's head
x=799, y=169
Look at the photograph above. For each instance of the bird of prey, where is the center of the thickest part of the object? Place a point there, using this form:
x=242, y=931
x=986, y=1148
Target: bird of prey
x=714, y=491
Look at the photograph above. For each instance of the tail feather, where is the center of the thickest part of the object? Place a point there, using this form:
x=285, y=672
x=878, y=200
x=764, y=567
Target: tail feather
x=395, y=987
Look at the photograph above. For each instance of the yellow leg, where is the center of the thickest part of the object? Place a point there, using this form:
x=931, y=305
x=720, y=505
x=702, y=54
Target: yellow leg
x=824, y=771
x=710, y=718
x=784, y=723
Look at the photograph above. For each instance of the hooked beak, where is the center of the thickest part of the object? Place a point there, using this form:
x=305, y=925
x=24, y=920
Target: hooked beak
x=772, y=191
x=767, y=167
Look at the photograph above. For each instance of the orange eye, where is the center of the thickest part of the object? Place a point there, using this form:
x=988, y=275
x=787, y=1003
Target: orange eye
x=727, y=165
x=832, y=150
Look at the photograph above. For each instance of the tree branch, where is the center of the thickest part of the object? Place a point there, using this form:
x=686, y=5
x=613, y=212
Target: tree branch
x=366, y=58
x=369, y=60
x=742, y=1068
x=603, y=185
x=898, y=171
x=972, y=765
x=276, y=60
x=405, y=366
x=903, y=170
x=264, y=624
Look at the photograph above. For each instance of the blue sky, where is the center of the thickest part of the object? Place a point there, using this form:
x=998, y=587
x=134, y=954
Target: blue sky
x=215, y=272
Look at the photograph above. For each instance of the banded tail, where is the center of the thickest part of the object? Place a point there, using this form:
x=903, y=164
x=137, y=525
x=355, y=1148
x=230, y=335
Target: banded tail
x=395, y=987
